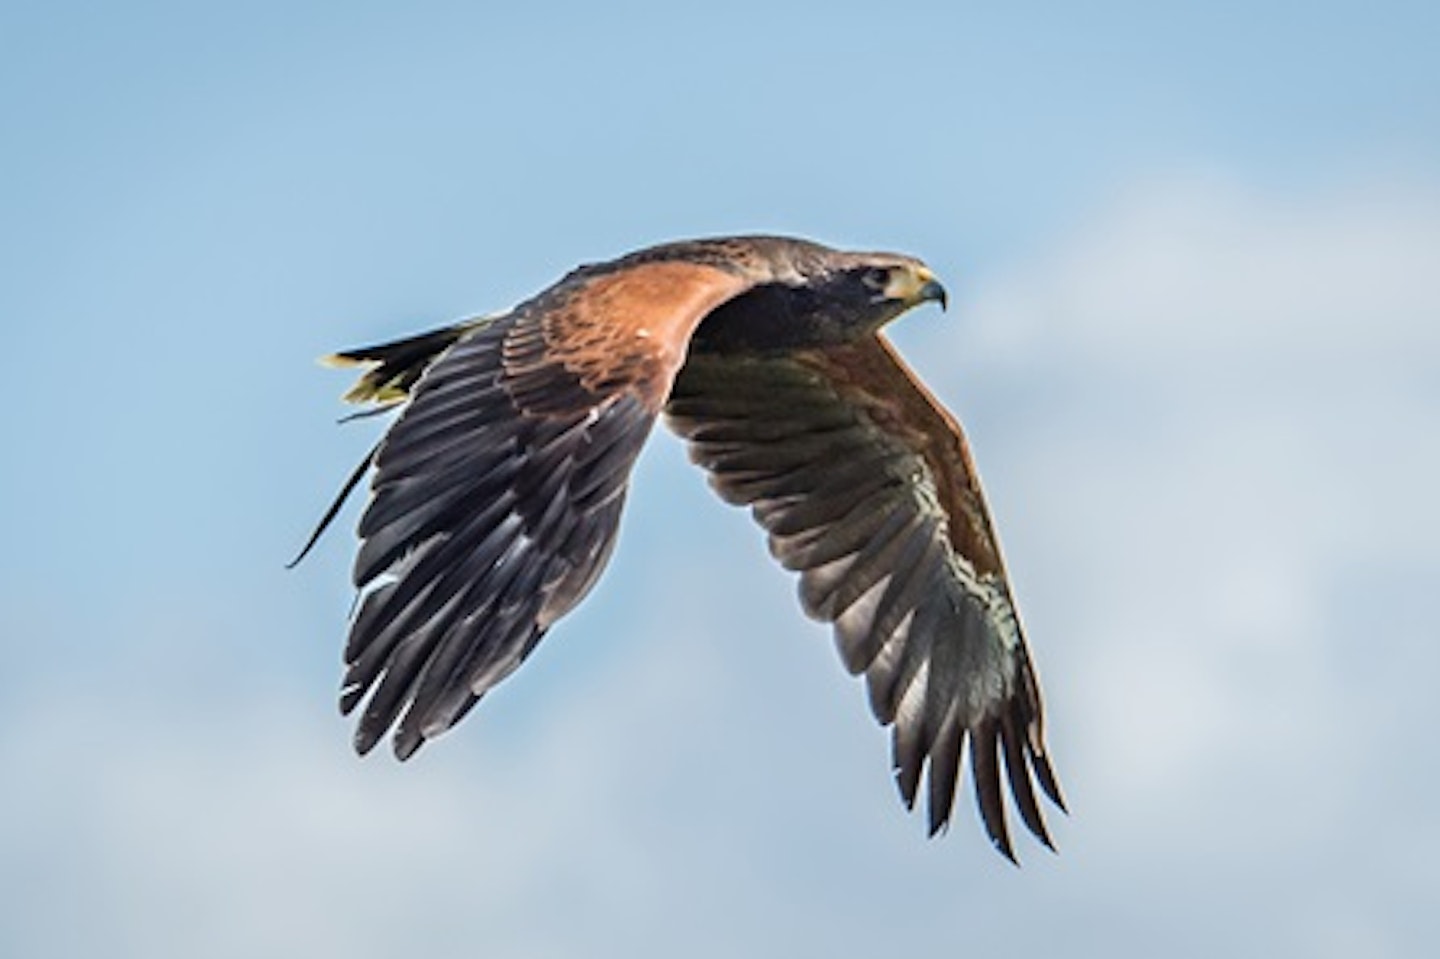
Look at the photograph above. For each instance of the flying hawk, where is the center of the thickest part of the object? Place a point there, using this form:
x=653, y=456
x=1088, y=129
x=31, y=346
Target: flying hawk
x=496, y=494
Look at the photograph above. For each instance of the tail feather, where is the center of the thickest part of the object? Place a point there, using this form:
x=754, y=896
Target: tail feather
x=333, y=511
x=393, y=368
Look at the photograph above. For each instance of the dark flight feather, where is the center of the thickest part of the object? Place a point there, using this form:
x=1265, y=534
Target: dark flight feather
x=859, y=511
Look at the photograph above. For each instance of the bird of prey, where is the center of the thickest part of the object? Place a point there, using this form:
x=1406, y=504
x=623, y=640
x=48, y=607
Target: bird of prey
x=496, y=495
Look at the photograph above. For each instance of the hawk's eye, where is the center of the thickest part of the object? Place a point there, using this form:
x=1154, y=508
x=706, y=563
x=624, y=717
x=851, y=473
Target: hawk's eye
x=876, y=278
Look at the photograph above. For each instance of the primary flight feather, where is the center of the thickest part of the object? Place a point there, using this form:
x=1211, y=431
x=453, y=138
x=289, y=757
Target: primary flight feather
x=496, y=495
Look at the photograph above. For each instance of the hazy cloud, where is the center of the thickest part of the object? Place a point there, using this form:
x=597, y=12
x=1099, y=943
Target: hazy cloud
x=1207, y=421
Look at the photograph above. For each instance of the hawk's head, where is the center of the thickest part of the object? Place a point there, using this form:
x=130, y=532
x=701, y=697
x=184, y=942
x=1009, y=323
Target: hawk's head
x=877, y=287
x=816, y=296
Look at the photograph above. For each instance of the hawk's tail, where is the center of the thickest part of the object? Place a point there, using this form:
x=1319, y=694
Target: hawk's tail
x=392, y=368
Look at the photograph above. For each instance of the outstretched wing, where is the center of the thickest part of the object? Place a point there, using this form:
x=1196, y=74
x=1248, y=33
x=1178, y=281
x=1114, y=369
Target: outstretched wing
x=866, y=487
x=497, y=492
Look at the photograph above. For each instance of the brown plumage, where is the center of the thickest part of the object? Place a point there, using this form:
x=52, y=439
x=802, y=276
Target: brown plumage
x=496, y=494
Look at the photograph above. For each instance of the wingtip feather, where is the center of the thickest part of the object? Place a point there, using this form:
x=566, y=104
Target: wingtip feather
x=1046, y=776
x=350, y=698
x=365, y=740
x=407, y=743
x=984, y=767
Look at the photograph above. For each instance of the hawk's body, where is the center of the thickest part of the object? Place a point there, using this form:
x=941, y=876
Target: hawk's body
x=497, y=493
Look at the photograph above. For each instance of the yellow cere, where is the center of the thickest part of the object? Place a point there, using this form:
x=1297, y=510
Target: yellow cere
x=907, y=282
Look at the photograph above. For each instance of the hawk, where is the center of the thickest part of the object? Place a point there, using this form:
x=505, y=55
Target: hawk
x=496, y=495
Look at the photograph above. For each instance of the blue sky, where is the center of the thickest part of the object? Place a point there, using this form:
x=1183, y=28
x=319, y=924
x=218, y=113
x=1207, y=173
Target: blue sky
x=1194, y=255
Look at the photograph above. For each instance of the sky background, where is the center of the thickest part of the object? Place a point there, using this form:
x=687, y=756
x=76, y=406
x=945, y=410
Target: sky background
x=1194, y=259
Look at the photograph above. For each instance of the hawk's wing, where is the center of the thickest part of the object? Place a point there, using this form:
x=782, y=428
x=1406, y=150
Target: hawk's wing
x=497, y=492
x=866, y=487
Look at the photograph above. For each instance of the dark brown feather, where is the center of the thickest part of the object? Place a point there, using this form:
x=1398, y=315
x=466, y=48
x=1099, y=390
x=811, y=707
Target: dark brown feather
x=498, y=492
x=866, y=487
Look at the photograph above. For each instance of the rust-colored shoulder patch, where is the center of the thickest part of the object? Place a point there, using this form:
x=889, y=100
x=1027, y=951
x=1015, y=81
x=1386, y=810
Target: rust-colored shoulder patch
x=627, y=329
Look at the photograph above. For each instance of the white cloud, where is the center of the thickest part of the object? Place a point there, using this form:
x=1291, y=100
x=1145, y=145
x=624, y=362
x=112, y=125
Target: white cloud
x=1226, y=453
x=1201, y=269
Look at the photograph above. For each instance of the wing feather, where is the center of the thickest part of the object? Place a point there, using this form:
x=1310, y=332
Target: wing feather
x=866, y=487
x=497, y=493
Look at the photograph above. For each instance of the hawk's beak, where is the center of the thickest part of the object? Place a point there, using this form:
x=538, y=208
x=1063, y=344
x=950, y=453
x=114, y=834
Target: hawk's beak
x=915, y=285
x=932, y=290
